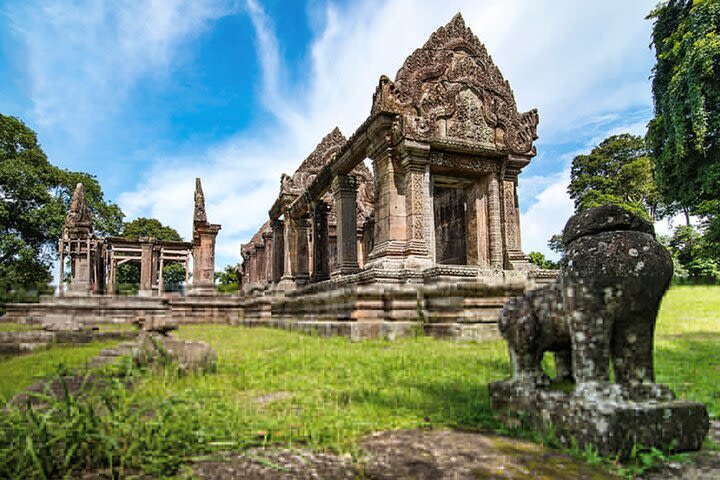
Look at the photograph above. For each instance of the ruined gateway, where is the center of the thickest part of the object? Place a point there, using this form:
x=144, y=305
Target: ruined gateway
x=431, y=237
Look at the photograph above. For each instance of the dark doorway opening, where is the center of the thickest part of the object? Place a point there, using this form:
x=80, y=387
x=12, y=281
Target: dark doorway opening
x=450, y=232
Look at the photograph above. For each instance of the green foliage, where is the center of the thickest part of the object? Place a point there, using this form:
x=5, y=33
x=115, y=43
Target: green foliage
x=128, y=274
x=149, y=227
x=694, y=256
x=618, y=171
x=685, y=133
x=555, y=244
x=538, y=258
x=227, y=280
x=35, y=196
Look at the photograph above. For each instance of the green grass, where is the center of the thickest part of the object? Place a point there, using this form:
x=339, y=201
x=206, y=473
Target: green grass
x=17, y=373
x=278, y=387
x=16, y=327
x=687, y=340
x=334, y=391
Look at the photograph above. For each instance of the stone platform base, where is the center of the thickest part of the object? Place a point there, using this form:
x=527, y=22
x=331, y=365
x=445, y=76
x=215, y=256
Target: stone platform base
x=610, y=419
x=96, y=309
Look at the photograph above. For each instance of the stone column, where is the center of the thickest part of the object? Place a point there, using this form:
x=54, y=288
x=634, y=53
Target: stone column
x=253, y=266
x=321, y=257
x=278, y=250
x=146, y=267
x=61, y=269
x=261, y=263
x=390, y=223
x=344, y=188
x=478, y=252
x=204, y=259
x=268, y=253
x=287, y=282
x=511, y=215
x=495, y=223
x=301, y=268
x=416, y=165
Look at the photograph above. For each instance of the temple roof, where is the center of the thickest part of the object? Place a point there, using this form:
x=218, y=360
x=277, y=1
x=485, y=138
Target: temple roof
x=450, y=89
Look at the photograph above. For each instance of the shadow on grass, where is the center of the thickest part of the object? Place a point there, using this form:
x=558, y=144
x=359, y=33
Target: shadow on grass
x=461, y=403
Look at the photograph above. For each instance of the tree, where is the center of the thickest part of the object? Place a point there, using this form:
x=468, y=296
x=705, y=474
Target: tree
x=34, y=198
x=556, y=245
x=228, y=279
x=685, y=134
x=694, y=256
x=129, y=273
x=618, y=171
x=538, y=258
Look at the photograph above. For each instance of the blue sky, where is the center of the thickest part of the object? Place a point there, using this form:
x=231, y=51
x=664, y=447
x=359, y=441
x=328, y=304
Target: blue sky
x=149, y=94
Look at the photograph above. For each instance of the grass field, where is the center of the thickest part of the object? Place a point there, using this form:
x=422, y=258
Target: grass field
x=279, y=387
x=17, y=373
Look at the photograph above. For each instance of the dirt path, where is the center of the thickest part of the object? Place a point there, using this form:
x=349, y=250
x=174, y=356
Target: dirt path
x=408, y=454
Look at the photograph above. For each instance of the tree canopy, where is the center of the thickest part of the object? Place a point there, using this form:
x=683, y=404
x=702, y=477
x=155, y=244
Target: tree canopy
x=149, y=227
x=34, y=197
x=685, y=133
x=618, y=171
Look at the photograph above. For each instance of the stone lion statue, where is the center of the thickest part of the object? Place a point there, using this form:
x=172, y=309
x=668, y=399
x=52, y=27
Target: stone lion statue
x=601, y=309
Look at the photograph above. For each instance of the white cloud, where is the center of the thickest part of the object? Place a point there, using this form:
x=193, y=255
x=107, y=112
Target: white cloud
x=577, y=62
x=547, y=216
x=84, y=57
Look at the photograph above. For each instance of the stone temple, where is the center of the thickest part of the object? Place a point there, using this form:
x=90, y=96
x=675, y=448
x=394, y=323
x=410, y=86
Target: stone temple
x=431, y=236
x=410, y=223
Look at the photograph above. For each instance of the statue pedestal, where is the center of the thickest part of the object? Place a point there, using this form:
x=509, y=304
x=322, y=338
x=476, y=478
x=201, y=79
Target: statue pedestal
x=610, y=418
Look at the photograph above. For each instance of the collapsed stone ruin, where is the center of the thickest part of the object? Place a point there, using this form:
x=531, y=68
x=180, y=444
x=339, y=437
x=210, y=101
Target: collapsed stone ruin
x=431, y=237
x=601, y=311
x=89, y=297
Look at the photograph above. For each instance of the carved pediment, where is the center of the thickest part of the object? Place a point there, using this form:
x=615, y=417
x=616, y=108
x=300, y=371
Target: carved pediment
x=323, y=154
x=450, y=89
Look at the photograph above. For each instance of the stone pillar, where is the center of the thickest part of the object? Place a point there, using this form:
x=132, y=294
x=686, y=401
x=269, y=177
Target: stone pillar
x=510, y=220
x=204, y=259
x=146, y=266
x=416, y=165
x=495, y=223
x=278, y=250
x=321, y=255
x=301, y=268
x=268, y=253
x=80, y=271
x=261, y=263
x=287, y=282
x=478, y=251
x=61, y=269
x=344, y=188
x=253, y=266
x=390, y=223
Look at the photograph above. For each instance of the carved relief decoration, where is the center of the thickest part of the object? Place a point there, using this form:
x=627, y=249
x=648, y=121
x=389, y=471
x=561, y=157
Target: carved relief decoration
x=450, y=88
x=463, y=162
x=323, y=154
x=509, y=207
